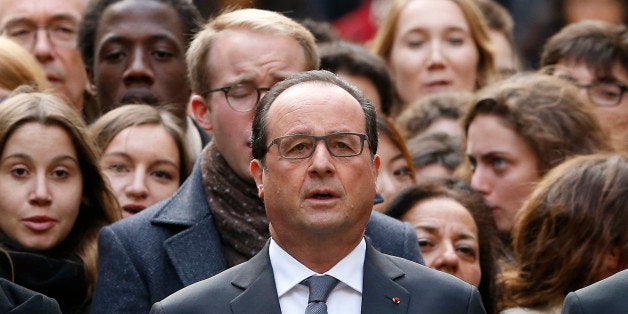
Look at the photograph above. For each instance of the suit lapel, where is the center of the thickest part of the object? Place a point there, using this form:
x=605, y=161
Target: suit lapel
x=257, y=280
x=380, y=292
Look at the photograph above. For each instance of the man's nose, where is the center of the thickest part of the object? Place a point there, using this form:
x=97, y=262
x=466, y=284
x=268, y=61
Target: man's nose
x=42, y=47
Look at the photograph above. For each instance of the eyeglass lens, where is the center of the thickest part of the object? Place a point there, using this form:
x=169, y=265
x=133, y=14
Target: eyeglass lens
x=605, y=94
x=242, y=97
x=63, y=33
x=338, y=144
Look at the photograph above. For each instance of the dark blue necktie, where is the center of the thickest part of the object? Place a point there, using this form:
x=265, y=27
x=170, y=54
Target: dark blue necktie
x=320, y=288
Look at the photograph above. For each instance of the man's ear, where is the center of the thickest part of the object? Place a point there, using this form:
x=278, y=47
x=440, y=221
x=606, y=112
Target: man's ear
x=257, y=171
x=201, y=112
x=376, y=163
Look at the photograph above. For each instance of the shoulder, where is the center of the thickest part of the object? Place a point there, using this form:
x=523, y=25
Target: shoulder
x=431, y=290
x=393, y=237
x=22, y=300
x=213, y=293
x=605, y=296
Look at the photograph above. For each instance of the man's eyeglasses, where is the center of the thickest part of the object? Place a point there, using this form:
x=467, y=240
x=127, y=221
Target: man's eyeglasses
x=301, y=146
x=605, y=94
x=242, y=97
x=600, y=93
x=60, y=34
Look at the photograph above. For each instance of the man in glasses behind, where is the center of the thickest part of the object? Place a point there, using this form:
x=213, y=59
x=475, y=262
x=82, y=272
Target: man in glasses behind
x=48, y=29
x=216, y=220
x=593, y=55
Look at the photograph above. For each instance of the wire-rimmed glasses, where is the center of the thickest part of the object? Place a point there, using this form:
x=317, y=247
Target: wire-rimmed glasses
x=241, y=97
x=601, y=92
x=60, y=34
x=299, y=146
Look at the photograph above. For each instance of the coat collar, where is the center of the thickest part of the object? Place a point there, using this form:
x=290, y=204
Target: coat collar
x=196, y=250
x=188, y=205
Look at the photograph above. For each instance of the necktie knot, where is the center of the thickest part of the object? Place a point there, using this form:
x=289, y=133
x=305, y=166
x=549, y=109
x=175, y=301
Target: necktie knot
x=320, y=288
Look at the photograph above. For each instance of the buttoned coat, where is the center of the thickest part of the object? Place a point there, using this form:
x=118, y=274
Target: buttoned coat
x=173, y=244
x=391, y=285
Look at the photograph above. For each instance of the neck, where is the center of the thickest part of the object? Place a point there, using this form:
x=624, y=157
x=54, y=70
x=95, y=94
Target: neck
x=309, y=251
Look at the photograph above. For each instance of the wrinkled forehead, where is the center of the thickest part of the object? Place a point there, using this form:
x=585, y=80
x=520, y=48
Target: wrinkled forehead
x=40, y=11
x=305, y=101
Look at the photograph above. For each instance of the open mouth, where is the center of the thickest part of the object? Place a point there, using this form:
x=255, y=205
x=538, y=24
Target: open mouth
x=322, y=196
x=133, y=209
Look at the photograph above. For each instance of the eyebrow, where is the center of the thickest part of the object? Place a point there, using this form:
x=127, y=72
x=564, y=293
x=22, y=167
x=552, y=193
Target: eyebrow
x=434, y=230
x=128, y=157
x=490, y=154
x=54, y=18
x=119, y=39
x=30, y=159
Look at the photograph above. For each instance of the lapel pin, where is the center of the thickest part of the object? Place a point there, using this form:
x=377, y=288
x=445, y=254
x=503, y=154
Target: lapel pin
x=396, y=300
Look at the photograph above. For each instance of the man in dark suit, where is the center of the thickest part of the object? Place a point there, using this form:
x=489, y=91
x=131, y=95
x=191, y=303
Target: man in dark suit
x=216, y=220
x=605, y=296
x=315, y=165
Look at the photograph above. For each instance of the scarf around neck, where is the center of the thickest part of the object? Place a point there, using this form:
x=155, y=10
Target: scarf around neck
x=239, y=214
x=55, y=273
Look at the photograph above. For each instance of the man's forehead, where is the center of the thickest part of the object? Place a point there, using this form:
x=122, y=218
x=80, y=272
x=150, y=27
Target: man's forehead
x=134, y=19
x=40, y=10
x=310, y=94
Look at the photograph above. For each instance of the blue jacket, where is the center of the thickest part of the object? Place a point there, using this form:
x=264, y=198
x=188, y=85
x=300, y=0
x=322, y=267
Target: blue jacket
x=174, y=243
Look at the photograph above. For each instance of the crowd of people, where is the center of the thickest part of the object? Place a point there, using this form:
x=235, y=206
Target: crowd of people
x=156, y=158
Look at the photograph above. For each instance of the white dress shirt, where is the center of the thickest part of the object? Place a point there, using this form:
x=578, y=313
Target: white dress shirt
x=293, y=297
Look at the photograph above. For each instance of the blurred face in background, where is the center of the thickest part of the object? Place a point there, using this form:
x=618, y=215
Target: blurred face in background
x=143, y=166
x=608, y=98
x=448, y=237
x=394, y=172
x=48, y=29
x=613, y=11
x=432, y=52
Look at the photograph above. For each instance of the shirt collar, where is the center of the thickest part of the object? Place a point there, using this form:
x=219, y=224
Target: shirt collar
x=289, y=272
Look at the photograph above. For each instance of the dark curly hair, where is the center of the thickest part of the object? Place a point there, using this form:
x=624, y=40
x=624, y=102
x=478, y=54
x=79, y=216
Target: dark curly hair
x=188, y=15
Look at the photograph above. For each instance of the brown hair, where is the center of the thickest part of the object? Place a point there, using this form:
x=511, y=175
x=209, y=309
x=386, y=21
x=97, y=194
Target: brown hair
x=387, y=128
x=420, y=114
x=113, y=122
x=573, y=219
x=98, y=205
x=547, y=113
x=597, y=44
x=384, y=39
